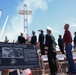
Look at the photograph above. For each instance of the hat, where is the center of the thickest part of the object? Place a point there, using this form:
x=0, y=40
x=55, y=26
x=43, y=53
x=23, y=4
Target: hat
x=33, y=32
x=49, y=28
x=41, y=30
x=22, y=32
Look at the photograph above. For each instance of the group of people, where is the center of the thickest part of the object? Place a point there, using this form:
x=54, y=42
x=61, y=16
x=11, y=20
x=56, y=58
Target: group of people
x=65, y=42
x=50, y=43
x=60, y=43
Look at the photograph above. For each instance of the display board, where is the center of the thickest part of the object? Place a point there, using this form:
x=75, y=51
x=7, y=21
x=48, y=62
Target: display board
x=18, y=56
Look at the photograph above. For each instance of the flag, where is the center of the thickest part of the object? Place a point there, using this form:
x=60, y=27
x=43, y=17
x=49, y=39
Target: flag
x=27, y=72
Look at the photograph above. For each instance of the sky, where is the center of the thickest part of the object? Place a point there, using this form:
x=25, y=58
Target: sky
x=53, y=13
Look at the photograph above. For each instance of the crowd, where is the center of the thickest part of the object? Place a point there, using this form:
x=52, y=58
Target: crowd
x=64, y=42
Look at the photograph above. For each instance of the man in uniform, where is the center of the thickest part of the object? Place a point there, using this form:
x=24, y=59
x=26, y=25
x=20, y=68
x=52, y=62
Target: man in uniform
x=51, y=44
x=21, y=39
x=41, y=40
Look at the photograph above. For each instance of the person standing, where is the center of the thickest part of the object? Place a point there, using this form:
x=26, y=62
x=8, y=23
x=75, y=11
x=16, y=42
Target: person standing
x=67, y=39
x=33, y=38
x=6, y=39
x=60, y=44
x=21, y=39
x=51, y=44
x=75, y=41
x=41, y=40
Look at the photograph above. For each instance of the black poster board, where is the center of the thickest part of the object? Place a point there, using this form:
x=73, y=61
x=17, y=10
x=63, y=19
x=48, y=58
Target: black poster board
x=18, y=56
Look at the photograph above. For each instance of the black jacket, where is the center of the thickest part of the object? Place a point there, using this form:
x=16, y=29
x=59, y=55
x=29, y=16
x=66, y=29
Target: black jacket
x=33, y=39
x=21, y=39
x=41, y=38
x=50, y=43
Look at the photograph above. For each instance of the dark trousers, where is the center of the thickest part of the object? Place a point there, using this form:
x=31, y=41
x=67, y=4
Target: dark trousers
x=69, y=57
x=42, y=48
x=52, y=62
x=62, y=49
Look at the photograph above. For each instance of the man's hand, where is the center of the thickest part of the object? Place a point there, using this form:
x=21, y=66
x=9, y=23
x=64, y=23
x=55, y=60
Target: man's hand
x=64, y=44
